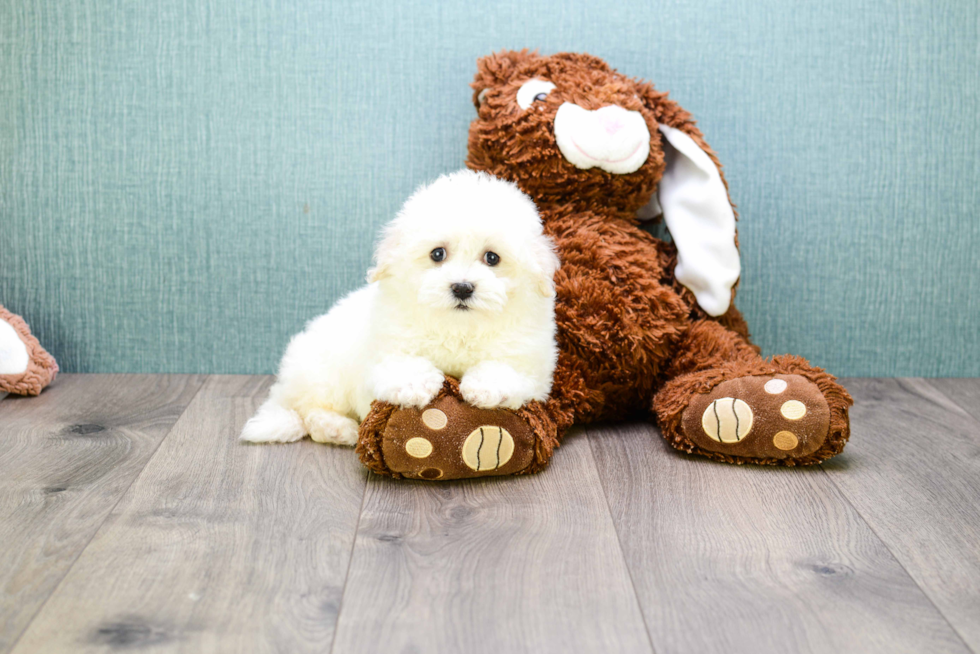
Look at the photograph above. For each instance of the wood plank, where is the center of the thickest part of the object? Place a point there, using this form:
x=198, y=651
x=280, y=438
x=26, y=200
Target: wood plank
x=66, y=458
x=965, y=392
x=751, y=559
x=913, y=472
x=507, y=564
x=219, y=546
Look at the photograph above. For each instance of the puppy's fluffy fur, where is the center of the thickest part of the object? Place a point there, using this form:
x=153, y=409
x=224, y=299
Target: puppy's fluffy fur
x=393, y=339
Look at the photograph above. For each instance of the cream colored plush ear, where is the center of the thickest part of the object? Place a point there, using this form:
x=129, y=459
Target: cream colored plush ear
x=699, y=216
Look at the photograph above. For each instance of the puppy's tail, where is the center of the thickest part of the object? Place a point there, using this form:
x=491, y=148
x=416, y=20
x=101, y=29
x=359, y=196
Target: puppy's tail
x=274, y=423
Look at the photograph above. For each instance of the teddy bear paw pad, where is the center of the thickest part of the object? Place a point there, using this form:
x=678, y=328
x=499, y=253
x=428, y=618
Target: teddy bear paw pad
x=488, y=448
x=773, y=417
x=450, y=439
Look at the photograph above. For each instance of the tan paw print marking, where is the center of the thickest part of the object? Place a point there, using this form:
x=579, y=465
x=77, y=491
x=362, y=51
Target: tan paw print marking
x=785, y=440
x=418, y=447
x=727, y=420
x=434, y=419
x=488, y=448
x=793, y=409
x=775, y=386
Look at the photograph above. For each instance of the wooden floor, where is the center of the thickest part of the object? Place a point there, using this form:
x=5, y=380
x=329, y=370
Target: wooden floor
x=132, y=519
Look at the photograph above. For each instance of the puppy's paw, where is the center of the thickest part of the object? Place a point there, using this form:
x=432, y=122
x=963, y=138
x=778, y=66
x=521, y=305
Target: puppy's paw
x=407, y=382
x=485, y=397
x=273, y=424
x=411, y=393
x=495, y=385
x=329, y=427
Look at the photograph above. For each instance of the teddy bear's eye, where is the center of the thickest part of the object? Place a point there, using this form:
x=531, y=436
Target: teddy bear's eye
x=492, y=258
x=437, y=255
x=533, y=90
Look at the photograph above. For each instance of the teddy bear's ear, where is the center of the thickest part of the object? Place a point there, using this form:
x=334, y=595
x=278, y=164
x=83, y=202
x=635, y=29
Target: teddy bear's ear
x=694, y=203
x=693, y=199
x=496, y=69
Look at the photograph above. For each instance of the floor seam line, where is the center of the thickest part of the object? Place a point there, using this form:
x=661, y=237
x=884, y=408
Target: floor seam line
x=350, y=561
x=928, y=382
x=897, y=560
x=619, y=542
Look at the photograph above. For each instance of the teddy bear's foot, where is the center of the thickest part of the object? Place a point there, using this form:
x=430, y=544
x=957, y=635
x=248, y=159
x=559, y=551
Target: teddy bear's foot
x=449, y=439
x=759, y=417
x=25, y=367
x=778, y=412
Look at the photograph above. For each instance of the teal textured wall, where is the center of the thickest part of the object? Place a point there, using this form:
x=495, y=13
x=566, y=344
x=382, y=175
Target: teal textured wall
x=183, y=184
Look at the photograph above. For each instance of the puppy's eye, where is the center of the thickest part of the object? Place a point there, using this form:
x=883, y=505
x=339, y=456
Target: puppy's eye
x=492, y=258
x=437, y=255
x=533, y=90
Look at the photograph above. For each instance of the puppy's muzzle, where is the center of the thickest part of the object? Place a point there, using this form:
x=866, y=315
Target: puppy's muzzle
x=462, y=290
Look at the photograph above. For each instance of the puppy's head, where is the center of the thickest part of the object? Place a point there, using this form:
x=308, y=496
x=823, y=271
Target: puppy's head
x=466, y=244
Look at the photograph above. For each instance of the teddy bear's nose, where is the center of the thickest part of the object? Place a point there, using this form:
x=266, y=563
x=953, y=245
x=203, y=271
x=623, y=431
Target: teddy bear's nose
x=611, y=123
x=462, y=290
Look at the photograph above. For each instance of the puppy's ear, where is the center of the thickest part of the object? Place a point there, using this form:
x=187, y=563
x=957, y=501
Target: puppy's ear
x=496, y=69
x=693, y=198
x=384, y=254
x=546, y=264
x=382, y=267
x=376, y=274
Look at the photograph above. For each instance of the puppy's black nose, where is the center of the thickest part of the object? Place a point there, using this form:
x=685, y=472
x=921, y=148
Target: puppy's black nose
x=462, y=290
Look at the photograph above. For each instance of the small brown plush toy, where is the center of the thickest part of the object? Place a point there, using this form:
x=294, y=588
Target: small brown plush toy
x=644, y=326
x=25, y=367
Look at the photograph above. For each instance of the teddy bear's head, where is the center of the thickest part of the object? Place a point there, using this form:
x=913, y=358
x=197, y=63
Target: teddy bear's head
x=571, y=131
x=568, y=123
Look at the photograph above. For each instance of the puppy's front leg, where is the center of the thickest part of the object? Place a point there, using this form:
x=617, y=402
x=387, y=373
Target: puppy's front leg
x=406, y=381
x=492, y=384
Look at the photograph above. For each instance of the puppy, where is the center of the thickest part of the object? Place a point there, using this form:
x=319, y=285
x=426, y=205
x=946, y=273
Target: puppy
x=462, y=286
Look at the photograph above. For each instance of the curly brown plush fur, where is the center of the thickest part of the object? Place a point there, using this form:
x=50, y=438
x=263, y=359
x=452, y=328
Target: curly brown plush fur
x=632, y=338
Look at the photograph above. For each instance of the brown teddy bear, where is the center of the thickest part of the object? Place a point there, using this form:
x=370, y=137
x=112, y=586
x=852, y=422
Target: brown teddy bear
x=25, y=367
x=644, y=326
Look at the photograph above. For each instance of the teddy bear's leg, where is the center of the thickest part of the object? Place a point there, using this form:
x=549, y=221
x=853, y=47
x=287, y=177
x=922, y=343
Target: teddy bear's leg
x=450, y=439
x=724, y=401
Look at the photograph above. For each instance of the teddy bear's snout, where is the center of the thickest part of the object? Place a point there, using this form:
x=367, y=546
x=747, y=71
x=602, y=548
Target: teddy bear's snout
x=611, y=138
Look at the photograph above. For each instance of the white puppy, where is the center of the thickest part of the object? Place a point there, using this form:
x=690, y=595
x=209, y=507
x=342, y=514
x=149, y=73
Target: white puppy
x=462, y=286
